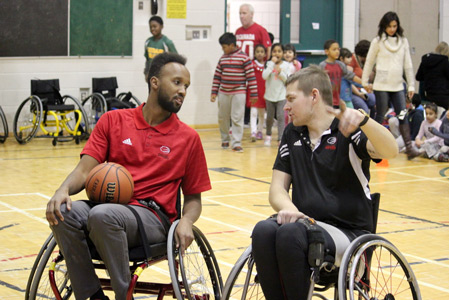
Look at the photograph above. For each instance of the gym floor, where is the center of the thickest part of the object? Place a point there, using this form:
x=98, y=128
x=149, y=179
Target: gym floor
x=413, y=208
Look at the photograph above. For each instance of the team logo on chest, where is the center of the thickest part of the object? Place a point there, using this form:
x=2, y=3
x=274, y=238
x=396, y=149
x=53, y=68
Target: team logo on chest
x=165, y=149
x=331, y=143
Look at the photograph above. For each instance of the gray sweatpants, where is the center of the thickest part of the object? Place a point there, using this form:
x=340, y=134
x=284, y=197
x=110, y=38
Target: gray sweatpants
x=231, y=108
x=113, y=229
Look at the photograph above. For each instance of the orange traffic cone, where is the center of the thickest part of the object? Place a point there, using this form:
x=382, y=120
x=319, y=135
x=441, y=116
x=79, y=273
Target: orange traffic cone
x=383, y=163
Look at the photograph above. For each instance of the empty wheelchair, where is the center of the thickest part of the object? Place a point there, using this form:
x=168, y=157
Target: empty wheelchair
x=46, y=110
x=194, y=276
x=372, y=268
x=3, y=126
x=104, y=98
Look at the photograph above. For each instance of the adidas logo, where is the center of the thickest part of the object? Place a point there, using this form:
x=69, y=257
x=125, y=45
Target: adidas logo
x=127, y=142
x=297, y=143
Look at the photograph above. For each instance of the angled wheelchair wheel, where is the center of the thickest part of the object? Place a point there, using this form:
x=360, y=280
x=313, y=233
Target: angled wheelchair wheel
x=3, y=126
x=129, y=97
x=196, y=275
x=38, y=286
x=373, y=268
x=27, y=119
x=82, y=131
x=94, y=106
x=242, y=282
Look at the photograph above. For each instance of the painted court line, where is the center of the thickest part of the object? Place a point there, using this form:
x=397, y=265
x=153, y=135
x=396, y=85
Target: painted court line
x=23, y=212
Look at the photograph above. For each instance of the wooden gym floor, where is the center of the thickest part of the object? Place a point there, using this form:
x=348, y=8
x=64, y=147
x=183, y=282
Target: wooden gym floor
x=414, y=208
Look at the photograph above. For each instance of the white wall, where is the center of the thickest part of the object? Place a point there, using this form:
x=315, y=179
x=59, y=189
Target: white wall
x=75, y=73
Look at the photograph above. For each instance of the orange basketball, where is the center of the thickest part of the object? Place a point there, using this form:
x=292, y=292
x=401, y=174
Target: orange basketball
x=109, y=183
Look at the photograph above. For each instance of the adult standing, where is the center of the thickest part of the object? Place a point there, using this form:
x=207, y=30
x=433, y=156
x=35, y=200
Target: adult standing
x=433, y=74
x=156, y=44
x=249, y=35
x=390, y=52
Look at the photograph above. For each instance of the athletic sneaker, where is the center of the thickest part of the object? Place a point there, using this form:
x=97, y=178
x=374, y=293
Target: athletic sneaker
x=225, y=145
x=267, y=140
x=237, y=149
x=259, y=135
x=443, y=157
x=253, y=137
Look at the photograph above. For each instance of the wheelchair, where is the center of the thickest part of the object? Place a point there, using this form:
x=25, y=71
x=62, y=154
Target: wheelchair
x=50, y=112
x=4, y=131
x=194, y=276
x=372, y=268
x=104, y=98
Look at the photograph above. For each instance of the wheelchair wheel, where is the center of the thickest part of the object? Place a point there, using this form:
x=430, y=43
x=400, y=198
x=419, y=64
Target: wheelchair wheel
x=128, y=97
x=242, y=282
x=195, y=275
x=83, y=128
x=27, y=119
x=373, y=268
x=94, y=106
x=3, y=126
x=39, y=283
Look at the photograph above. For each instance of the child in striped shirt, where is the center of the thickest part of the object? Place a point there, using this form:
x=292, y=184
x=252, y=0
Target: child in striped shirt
x=233, y=73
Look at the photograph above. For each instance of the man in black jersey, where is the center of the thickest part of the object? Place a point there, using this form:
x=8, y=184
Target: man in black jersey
x=324, y=156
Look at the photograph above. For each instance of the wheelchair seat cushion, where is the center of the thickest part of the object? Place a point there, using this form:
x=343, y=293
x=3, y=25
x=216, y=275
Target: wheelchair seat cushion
x=59, y=107
x=136, y=254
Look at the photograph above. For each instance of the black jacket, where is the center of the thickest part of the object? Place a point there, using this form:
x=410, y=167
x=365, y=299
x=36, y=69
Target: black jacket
x=433, y=73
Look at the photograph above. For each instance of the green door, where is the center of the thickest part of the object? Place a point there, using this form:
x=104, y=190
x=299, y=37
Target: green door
x=319, y=20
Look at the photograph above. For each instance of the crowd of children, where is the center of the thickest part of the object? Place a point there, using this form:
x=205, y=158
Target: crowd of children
x=261, y=84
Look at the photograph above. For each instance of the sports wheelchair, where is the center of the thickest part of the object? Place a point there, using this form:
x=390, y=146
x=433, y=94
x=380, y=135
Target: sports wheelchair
x=194, y=276
x=3, y=126
x=104, y=98
x=52, y=113
x=372, y=268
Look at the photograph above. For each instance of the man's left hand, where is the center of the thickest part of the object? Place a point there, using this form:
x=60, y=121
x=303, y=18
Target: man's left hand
x=350, y=119
x=184, y=234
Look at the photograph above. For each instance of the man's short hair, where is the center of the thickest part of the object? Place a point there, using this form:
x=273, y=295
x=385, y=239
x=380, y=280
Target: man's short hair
x=156, y=19
x=312, y=77
x=250, y=7
x=328, y=44
x=362, y=47
x=227, y=38
x=161, y=60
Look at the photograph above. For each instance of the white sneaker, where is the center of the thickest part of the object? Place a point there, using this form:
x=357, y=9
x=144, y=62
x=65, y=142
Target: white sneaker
x=267, y=140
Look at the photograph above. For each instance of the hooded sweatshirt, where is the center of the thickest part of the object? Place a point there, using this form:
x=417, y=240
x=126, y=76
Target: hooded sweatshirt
x=434, y=73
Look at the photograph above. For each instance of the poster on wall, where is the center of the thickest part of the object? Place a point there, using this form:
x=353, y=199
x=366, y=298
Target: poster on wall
x=176, y=9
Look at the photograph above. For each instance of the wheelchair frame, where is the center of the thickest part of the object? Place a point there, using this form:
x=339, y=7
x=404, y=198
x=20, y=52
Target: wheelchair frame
x=357, y=277
x=202, y=281
x=4, y=131
x=33, y=112
x=104, y=91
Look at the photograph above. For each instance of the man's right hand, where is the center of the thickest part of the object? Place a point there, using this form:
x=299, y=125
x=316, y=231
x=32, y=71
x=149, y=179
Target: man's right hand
x=213, y=98
x=288, y=216
x=54, y=207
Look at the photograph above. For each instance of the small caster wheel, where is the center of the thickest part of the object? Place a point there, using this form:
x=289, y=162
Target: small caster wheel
x=53, y=142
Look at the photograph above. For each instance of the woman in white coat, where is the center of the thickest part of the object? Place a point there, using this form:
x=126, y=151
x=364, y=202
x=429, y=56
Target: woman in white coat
x=389, y=51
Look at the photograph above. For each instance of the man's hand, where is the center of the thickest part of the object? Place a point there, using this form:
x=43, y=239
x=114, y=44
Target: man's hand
x=184, y=234
x=54, y=207
x=350, y=119
x=288, y=216
x=368, y=88
x=213, y=98
x=253, y=100
x=432, y=129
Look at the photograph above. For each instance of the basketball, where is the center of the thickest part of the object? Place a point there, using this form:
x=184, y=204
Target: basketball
x=109, y=183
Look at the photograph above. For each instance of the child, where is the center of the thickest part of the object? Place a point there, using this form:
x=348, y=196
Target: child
x=275, y=75
x=290, y=57
x=443, y=155
x=295, y=65
x=336, y=70
x=232, y=74
x=156, y=44
x=258, y=107
x=427, y=143
x=346, y=85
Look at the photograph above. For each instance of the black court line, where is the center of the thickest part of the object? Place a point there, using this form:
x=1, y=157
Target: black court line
x=226, y=171
x=443, y=172
x=45, y=157
x=11, y=286
x=8, y=226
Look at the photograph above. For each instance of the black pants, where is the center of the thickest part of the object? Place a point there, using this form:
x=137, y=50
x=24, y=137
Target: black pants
x=280, y=253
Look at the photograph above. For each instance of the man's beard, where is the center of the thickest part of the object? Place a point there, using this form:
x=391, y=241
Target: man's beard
x=164, y=101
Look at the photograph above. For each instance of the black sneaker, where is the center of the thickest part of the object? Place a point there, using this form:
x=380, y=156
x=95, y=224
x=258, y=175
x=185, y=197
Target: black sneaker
x=237, y=149
x=225, y=145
